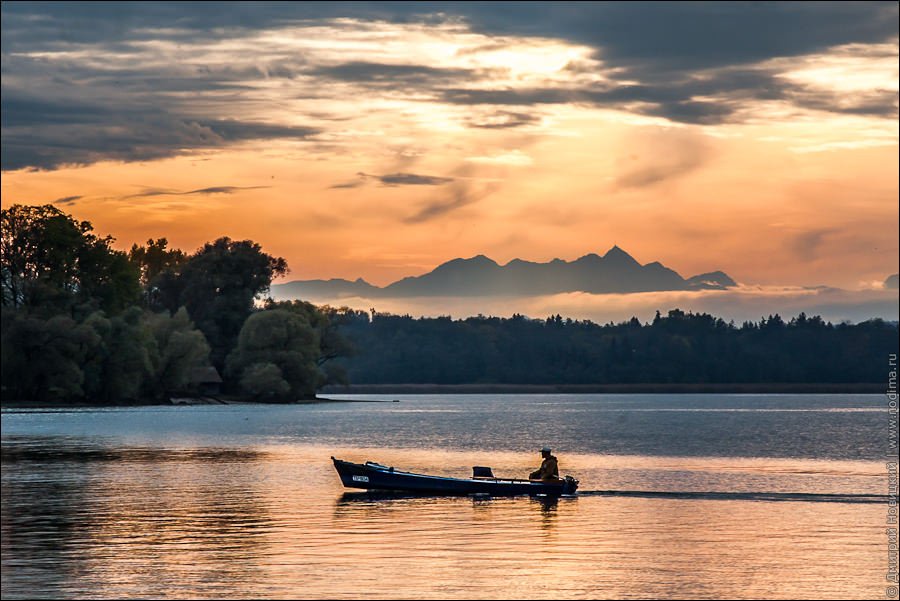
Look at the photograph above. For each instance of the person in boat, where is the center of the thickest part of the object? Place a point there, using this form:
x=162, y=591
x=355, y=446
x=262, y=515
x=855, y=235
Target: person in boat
x=549, y=469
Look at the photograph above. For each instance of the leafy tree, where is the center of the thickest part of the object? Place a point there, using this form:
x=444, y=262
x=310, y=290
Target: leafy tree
x=327, y=322
x=264, y=381
x=50, y=261
x=118, y=367
x=42, y=358
x=179, y=348
x=154, y=258
x=285, y=339
x=218, y=285
x=159, y=267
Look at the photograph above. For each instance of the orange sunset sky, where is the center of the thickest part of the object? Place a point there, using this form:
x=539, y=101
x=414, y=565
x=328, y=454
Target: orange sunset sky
x=378, y=140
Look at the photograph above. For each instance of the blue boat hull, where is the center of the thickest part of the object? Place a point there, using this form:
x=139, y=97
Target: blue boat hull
x=373, y=476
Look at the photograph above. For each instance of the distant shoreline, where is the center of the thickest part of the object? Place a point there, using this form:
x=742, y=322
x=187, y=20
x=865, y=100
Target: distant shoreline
x=198, y=402
x=755, y=388
x=389, y=389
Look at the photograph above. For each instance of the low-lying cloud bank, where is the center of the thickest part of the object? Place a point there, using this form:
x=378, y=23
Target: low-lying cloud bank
x=738, y=304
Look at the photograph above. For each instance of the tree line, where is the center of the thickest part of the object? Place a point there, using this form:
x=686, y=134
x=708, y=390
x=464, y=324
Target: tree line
x=82, y=321
x=675, y=348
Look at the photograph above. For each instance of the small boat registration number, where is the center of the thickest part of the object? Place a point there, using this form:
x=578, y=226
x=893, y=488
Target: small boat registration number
x=360, y=478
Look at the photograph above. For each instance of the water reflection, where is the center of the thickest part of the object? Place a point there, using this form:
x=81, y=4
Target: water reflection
x=55, y=449
x=199, y=504
x=128, y=522
x=361, y=505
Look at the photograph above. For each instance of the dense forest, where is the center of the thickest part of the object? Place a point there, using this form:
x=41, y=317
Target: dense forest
x=676, y=348
x=84, y=322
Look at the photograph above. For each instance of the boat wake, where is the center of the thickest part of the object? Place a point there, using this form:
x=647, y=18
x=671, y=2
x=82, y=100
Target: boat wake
x=741, y=496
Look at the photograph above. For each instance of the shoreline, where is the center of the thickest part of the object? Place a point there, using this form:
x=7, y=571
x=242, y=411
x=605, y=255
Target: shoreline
x=663, y=388
x=388, y=389
x=189, y=402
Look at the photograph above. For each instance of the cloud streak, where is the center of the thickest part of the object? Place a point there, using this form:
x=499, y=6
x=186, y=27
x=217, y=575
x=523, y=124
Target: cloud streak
x=461, y=194
x=151, y=192
x=66, y=200
x=394, y=179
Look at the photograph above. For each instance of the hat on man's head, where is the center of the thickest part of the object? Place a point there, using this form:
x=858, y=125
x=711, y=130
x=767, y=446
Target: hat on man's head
x=545, y=449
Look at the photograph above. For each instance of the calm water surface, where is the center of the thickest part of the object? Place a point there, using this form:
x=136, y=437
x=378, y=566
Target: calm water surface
x=706, y=496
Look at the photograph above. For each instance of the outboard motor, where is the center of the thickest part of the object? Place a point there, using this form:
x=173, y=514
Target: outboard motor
x=482, y=472
x=570, y=485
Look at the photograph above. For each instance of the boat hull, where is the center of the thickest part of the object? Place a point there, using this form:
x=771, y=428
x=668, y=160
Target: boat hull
x=372, y=476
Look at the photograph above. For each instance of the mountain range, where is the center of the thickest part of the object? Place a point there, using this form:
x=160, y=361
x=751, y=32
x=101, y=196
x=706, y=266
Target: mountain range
x=614, y=272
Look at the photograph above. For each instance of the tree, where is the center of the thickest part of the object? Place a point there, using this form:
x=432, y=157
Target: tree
x=264, y=381
x=159, y=267
x=50, y=261
x=284, y=339
x=179, y=348
x=218, y=285
x=154, y=258
x=327, y=321
x=117, y=369
x=42, y=359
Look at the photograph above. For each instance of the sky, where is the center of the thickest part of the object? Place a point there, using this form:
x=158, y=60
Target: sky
x=378, y=140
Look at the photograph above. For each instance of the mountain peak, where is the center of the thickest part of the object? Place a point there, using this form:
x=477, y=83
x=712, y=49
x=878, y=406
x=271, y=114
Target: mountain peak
x=616, y=272
x=619, y=256
x=616, y=251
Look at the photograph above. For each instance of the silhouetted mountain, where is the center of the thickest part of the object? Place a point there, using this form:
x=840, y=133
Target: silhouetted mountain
x=323, y=289
x=615, y=272
x=714, y=280
x=891, y=282
x=458, y=277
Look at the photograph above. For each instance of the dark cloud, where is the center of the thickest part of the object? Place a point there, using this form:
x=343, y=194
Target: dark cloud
x=356, y=183
x=460, y=194
x=391, y=74
x=661, y=56
x=412, y=179
x=394, y=179
x=504, y=120
x=686, y=35
x=47, y=134
x=66, y=200
x=149, y=192
x=724, y=92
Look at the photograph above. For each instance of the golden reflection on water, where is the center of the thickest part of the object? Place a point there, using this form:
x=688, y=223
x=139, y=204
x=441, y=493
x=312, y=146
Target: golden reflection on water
x=276, y=522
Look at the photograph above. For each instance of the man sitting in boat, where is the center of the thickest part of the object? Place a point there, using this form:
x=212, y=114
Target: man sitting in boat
x=549, y=469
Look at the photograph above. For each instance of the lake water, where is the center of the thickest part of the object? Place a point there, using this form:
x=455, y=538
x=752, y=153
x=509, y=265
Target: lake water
x=697, y=496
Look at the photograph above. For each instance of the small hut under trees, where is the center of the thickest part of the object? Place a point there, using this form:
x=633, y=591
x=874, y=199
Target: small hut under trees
x=206, y=380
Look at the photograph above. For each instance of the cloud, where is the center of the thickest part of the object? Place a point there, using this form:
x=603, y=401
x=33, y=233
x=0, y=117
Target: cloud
x=355, y=183
x=147, y=80
x=46, y=134
x=150, y=192
x=412, y=179
x=673, y=35
x=66, y=200
x=460, y=194
x=806, y=245
x=660, y=156
x=745, y=303
x=504, y=120
x=392, y=75
x=395, y=179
